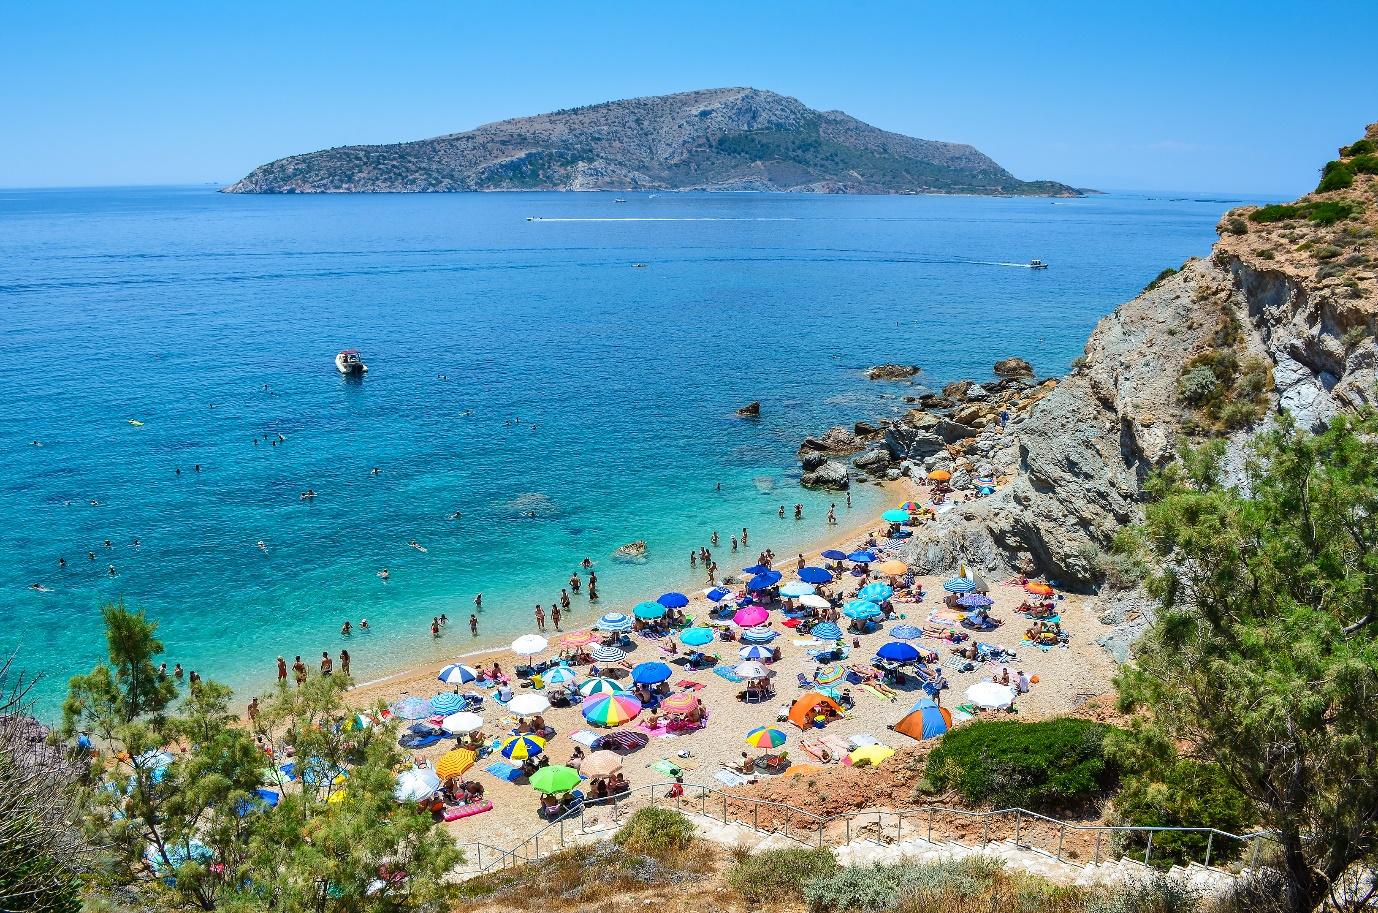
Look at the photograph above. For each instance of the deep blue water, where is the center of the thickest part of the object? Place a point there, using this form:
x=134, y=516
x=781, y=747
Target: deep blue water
x=176, y=306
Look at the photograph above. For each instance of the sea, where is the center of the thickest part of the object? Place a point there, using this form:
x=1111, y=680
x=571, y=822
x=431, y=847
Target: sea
x=551, y=376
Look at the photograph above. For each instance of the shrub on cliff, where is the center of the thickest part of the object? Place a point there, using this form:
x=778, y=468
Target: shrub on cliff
x=1327, y=212
x=1336, y=175
x=655, y=832
x=777, y=876
x=1051, y=764
x=1361, y=147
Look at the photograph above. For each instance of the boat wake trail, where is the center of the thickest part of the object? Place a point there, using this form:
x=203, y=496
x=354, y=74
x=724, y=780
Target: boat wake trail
x=659, y=219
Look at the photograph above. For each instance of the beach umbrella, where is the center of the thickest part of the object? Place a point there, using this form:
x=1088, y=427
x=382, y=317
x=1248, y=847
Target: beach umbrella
x=758, y=635
x=649, y=611
x=556, y=778
x=815, y=575
x=1038, y=589
x=751, y=670
x=871, y=754
x=765, y=737
x=673, y=600
x=683, y=702
x=861, y=609
x=796, y=588
x=458, y=674
x=529, y=645
x=898, y=652
x=911, y=506
x=764, y=581
x=447, y=702
x=153, y=759
x=990, y=695
x=601, y=764
x=611, y=709
x=906, y=632
x=959, y=585
x=412, y=708
x=560, y=675
x=895, y=515
x=833, y=554
x=891, y=568
x=453, y=763
x=814, y=602
x=603, y=654
x=826, y=631
x=750, y=617
x=876, y=592
x=521, y=747
x=939, y=475
x=650, y=673
x=826, y=675
x=718, y=593
x=755, y=651
x=528, y=704
x=614, y=623
x=358, y=721
x=925, y=720
x=862, y=557
x=594, y=686
x=578, y=638
x=755, y=569
x=462, y=723
x=975, y=601
x=696, y=637
x=415, y=784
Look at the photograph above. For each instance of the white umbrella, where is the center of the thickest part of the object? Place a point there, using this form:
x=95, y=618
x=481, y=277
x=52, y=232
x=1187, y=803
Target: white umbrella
x=814, y=602
x=560, y=675
x=990, y=695
x=462, y=723
x=415, y=784
x=751, y=670
x=528, y=704
x=796, y=588
x=529, y=645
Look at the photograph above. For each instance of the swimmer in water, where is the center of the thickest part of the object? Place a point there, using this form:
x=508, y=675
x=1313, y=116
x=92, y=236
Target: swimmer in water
x=417, y=545
x=456, y=515
x=61, y=562
x=95, y=503
x=112, y=570
x=40, y=588
x=36, y=443
x=363, y=625
x=373, y=471
x=262, y=546
x=384, y=574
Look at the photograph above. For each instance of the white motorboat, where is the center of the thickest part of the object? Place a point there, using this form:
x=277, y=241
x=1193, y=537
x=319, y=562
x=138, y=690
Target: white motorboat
x=1037, y=264
x=349, y=362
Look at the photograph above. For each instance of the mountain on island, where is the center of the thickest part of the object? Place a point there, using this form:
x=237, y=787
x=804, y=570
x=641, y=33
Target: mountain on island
x=713, y=139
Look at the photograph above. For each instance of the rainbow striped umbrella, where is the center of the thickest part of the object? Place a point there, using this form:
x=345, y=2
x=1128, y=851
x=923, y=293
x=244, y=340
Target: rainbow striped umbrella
x=826, y=675
x=600, y=686
x=911, y=506
x=611, y=709
x=521, y=747
x=765, y=737
x=578, y=638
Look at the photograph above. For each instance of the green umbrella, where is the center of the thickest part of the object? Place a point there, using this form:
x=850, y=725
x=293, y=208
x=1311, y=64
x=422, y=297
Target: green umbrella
x=556, y=778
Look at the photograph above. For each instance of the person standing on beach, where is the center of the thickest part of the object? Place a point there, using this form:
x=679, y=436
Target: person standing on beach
x=555, y=616
x=299, y=672
x=540, y=617
x=473, y=625
x=253, y=710
x=849, y=500
x=344, y=662
x=282, y=671
x=801, y=561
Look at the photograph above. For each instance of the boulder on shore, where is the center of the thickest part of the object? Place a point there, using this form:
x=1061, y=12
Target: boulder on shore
x=891, y=372
x=1014, y=369
x=836, y=441
x=751, y=409
x=832, y=476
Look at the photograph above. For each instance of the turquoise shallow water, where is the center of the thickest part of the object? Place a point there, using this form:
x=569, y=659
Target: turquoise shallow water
x=177, y=306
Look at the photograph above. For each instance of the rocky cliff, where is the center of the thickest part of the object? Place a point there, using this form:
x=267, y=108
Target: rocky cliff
x=1280, y=317
x=714, y=139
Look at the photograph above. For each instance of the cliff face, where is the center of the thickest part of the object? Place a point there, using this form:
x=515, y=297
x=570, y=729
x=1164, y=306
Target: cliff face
x=1282, y=316
x=715, y=139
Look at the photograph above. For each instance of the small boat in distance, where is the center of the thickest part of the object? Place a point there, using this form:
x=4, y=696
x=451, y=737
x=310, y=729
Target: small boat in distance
x=1037, y=264
x=349, y=362
x=619, y=200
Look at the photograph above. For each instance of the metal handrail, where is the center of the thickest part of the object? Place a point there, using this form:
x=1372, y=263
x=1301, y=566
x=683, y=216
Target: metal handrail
x=555, y=833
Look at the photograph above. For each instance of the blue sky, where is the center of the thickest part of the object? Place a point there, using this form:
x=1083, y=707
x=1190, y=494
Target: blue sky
x=1205, y=96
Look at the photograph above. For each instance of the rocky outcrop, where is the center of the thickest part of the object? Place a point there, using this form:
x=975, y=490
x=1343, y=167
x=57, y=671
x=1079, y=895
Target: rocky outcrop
x=1014, y=369
x=837, y=441
x=830, y=475
x=891, y=372
x=750, y=410
x=632, y=551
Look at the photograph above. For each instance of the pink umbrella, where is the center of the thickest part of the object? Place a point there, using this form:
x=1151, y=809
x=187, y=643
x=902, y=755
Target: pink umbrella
x=751, y=616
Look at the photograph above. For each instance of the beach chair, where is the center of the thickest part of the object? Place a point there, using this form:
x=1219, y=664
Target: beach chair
x=803, y=681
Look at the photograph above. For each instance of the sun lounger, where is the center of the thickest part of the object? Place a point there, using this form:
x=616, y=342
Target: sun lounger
x=455, y=812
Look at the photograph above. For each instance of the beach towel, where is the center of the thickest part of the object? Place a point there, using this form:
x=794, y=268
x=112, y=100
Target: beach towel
x=874, y=689
x=659, y=730
x=688, y=684
x=584, y=737
x=726, y=674
x=731, y=778
x=504, y=771
x=667, y=768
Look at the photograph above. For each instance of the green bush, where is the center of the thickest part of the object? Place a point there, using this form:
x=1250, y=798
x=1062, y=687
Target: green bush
x=914, y=885
x=655, y=832
x=1198, y=385
x=1042, y=765
x=1335, y=175
x=1365, y=164
x=1184, y=793
x=1330, y=212
x=1362, y=147
x=1150, y=895
x=1325, y=213
x=1278, y=212
x=779, y=875
x=1165, y=274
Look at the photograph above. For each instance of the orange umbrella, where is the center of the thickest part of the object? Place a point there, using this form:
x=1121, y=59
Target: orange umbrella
x=578, y=638
x=684, y=702
x=892, y=567
x=939, y=475
x=1039, y=589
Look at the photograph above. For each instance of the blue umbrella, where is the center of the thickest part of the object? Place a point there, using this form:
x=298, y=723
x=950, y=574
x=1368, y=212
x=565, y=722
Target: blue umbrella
x=906, y=632
x=975, y=601
x=696, y=637
x=876, y=592
x=827, y=631
x=898, y=652
x=764, y=581
x=718, y=594
x=412, y=708
x=861, y=609
x=833, y=554
x=447, y=703
x=650, y=673
x=614, y=623
x=796, y=588
x=758, y=635
x=649, y=611
x=959, y=584
x=458, y=674
x=755, y=651
x=560, y=675
x=755, y=569
x=862, y=557
x=815, y=575
x=673, y=600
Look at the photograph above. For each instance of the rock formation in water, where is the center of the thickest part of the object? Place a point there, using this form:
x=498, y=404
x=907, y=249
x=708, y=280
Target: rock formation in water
x=713, y=139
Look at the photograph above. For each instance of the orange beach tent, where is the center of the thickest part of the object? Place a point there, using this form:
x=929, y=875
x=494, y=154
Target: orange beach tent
x=803, y=710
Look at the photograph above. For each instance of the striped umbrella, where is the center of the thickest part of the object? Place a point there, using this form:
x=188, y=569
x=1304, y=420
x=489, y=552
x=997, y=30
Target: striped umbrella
x=826, y=675
x=755, y=652
x=412, y=708
x=696, y=637
x=611, y=709
x=607, y=654
x=683, y=702
x=758, y=635
x=975, y=601
x=906, y=632
x=560, y=675
x=458, y=674
x=614, y=623
x=911, y=506
x=649, y=611
x=578, y=638
x=861, y=609
x=765, y=737
x=521, y=747
x=673, y=600
x=815, y=575
x=602, y=763
x=876, y=592
x=826, y=631
x=959, y=584
x=796, y=588
x=454, y=763
x=594, y=686
x=447, y=703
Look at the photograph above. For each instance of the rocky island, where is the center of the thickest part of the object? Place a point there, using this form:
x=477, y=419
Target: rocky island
x=712, y=139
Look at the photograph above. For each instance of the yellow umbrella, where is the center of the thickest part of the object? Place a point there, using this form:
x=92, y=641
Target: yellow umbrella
x=454, y=763
x=891, y=568
x=337, y=796
x=871, y=754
